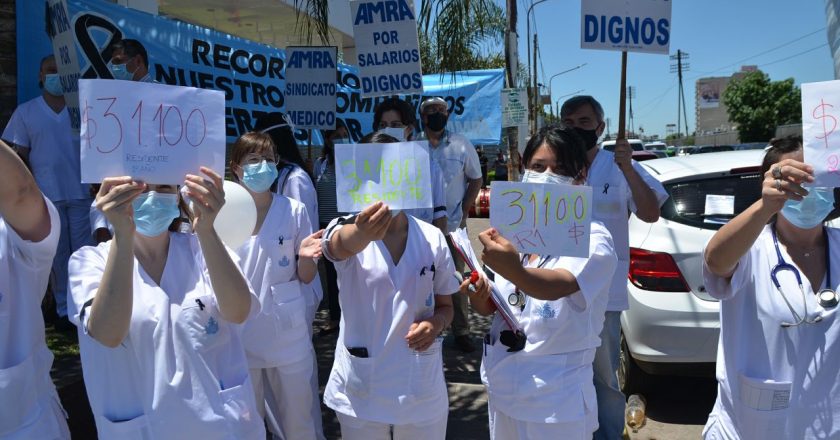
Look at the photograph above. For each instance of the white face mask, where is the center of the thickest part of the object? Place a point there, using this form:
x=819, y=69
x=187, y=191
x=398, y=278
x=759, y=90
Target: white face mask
x=398, y=133
x=530, y=176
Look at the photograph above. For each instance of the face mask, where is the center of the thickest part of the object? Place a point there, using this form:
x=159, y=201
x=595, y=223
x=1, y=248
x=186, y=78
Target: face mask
x=546, y=177
x=258, y=177
x=52, y=84
x=397, y=133
x=154, y=212
x=120, y=71
x=811, y=211
x=590, y=137
x=436, y=121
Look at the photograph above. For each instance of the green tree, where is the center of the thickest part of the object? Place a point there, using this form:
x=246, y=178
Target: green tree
x=758, y=105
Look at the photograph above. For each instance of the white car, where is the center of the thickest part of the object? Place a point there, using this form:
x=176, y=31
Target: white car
x=672, y=325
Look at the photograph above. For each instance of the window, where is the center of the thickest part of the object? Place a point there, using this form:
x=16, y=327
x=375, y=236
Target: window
x=687, y=204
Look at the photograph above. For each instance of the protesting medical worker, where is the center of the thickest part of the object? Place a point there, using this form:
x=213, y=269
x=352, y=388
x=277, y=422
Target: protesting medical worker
x=396, y=278
x=29, y=233
x=774, y=269
x=158, y=316
x=279, y=256
x=542, y=388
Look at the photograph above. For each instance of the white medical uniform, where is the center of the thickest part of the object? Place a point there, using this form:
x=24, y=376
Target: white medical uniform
x=379, y=301
x=774, y=382
x=277, y=342
x=438, y=209
x=181, y=372
x=545, y=390
x=29, y=405
x=459, y=162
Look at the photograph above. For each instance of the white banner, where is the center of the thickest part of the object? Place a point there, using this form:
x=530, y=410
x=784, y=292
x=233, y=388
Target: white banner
x=820, y=113
x=310, y=86
x=544, y=219
x=151, y=132
x=514, y=107
x=397, y=174
x=387, y=48
x=626, y=25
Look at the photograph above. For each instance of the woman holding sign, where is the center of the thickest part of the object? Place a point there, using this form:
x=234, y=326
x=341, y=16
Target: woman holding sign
x=396, y=280
x=774, y=269
x=280, y=256
x=545, y=389
x=157, y=313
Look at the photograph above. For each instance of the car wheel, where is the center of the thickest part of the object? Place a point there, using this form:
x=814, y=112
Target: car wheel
x=631, y=378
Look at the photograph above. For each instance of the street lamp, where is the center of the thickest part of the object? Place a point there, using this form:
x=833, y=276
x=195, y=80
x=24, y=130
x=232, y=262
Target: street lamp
x=557, y=103
x=528, y=44
x=558, y=74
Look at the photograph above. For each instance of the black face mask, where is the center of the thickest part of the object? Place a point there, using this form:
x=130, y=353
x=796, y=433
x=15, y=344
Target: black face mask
x=590, y=137
x=436, y=121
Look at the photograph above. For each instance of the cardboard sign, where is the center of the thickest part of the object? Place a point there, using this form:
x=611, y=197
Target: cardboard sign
x=514, y=107
x=66, y=58
x=544, y=219
x=397, y=174
x=820, y=116
x=310, y=86
x=152, y=132
x=387, y=47
x=626, y=25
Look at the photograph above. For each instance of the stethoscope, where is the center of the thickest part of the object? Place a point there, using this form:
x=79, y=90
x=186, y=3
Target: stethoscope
x=518, y=298
x=827, y=298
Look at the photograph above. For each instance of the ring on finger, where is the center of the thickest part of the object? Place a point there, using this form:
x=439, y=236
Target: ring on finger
x=778, y=184
x=777, y=172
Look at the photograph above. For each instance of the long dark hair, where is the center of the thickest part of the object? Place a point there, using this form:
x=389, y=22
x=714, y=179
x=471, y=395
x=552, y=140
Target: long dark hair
x=328, y=152
x=567, y=146
x=279, y=127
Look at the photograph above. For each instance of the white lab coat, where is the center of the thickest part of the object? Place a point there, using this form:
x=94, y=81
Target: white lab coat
x=29, y=405
x=550, y=380
x=277, y=342
x=379, y=302
x=181, y=371
x=774, y=383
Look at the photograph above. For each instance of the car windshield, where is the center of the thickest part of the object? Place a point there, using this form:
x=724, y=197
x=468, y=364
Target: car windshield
x=688, y=203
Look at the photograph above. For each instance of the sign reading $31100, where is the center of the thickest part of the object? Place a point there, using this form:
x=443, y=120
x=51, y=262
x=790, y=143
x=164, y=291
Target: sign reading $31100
x=397, y=174
x=541, y=218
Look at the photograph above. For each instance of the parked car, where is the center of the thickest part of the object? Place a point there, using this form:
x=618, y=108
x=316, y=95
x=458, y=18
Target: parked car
x=656, y=146
x=659, y=154
x=683, y=150
x=672, y=325
x=710, y=149
x=640, y=156
x=752, y=146
x=636, y=144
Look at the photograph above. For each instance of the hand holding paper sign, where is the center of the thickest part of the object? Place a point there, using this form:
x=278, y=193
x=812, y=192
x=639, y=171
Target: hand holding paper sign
x=207, y=199
x=499, y=254
x=115, y=199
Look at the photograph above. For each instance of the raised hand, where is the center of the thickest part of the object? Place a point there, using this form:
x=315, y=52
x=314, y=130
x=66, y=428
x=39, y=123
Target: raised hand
x=310, y=247
x=373, y=221
x=499, y=253
x=783, y=182
x=115, y=199
x=623, y=154
x=208, y=197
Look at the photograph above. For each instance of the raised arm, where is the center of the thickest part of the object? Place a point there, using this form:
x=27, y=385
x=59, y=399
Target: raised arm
x=735, y=238
x=370, y=225
x=229, y=285
x=647, y=206
x=21, y=204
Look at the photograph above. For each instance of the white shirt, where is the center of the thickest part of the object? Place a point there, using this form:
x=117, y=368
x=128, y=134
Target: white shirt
x=53, y=149
x=438, y=209
x=544, y=381
x=775, y=383
x=379, y=302
x=613, y=200
x=458, y=160
x=278, y=334
x=181, y=371
x=25, y=360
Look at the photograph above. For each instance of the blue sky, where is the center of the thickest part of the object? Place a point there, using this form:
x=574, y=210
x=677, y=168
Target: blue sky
x=716, y=34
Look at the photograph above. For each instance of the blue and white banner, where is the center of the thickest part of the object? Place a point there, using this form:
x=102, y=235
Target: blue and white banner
x=251, y=75
x=626, y=25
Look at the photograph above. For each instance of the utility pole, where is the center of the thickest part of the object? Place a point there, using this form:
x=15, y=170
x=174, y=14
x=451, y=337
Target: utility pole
x=678, y=68
x=512, y=73
x=631, y=93
x=535, y=89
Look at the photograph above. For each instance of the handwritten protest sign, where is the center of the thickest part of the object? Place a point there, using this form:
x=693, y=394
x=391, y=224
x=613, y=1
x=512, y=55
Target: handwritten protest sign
x=310, y=86
x=626, y=25
x=66, y=58
x=152, y=132
x=387, y=47
x=514, y=107
x=397, y=174
x=544, y=219
x=820, y=115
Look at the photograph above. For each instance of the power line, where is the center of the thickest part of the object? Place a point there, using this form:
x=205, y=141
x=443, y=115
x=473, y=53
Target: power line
x=795, y=55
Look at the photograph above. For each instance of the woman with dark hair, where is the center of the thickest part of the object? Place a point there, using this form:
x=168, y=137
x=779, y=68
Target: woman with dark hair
x=396, y=277
x=773, y=268
x=543, y=388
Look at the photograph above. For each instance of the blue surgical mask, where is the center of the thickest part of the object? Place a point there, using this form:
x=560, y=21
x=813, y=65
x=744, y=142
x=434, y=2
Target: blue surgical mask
x=52, y=84
x=545, y=177
x=258, y=177
x=811, y=211
x=154, y=212
x=120, y=71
